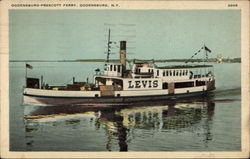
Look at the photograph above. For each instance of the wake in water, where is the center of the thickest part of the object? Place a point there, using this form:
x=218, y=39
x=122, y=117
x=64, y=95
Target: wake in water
x=232, y=93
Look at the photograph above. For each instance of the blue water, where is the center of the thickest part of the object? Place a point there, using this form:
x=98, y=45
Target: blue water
x=210, y=123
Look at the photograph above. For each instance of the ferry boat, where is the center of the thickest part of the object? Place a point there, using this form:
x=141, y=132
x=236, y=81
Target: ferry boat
x=118, y=85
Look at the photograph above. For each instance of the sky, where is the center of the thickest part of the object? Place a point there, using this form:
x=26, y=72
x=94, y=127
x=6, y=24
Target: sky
x=150, y=34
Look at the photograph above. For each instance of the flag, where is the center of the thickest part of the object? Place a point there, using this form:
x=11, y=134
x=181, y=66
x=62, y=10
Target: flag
x=207, y=49
x=29, y=66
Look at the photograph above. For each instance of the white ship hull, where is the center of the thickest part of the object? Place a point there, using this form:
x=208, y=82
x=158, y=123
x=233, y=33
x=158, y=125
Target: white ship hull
x=58, y=97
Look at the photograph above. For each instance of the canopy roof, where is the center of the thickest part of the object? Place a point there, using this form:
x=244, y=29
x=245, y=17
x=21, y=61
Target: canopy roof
x=184, y=66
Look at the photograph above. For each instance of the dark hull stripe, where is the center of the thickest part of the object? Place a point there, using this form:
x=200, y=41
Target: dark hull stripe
x=113, y=97
x=48, y=100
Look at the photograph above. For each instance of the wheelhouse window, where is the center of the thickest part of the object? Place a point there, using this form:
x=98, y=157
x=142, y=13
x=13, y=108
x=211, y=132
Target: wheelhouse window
x=114, y=67
x=111, y=67
x=157, y=72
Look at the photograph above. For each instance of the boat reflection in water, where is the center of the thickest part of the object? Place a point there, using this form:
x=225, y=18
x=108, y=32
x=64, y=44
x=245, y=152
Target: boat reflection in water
x=119, y=122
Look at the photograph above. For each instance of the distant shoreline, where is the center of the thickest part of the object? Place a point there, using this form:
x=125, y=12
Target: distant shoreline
x=228, y=60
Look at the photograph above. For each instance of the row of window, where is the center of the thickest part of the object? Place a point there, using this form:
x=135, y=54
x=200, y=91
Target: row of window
x=115, y=68
x=184, y=84
x=138, y=71
x=174, y=73
x=166, y=72
x=179, y=85
x=150, y=70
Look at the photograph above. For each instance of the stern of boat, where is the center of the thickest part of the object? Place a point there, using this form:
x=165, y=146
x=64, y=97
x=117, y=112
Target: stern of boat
x=211, y=85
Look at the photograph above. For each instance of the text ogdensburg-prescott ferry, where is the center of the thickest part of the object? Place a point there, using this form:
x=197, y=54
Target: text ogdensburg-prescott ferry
x=116, y=85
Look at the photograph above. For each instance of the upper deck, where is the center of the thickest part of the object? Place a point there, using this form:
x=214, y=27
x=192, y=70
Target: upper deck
x=150, y=70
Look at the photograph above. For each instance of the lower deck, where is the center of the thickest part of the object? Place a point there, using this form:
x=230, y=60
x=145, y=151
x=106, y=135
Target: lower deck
x=163, y=88
x=109, y=96
x=103, y=101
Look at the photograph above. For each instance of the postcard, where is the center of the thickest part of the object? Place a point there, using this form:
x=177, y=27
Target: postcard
x=124, y=79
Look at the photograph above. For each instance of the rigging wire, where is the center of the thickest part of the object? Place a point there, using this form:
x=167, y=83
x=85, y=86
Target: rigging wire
x=205, y=49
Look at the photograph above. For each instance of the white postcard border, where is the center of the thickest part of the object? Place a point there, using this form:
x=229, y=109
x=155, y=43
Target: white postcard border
x=5, y=6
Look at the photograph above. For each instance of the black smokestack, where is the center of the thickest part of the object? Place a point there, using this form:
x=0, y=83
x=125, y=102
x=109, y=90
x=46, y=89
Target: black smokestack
x=123, y=56
x=123, y=45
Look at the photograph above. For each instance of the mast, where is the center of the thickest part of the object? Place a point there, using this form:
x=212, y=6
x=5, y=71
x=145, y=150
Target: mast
x=108, y=51
x=25, y=74
x=205, y=53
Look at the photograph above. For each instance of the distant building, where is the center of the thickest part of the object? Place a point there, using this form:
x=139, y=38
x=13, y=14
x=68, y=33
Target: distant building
x=219, y=58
